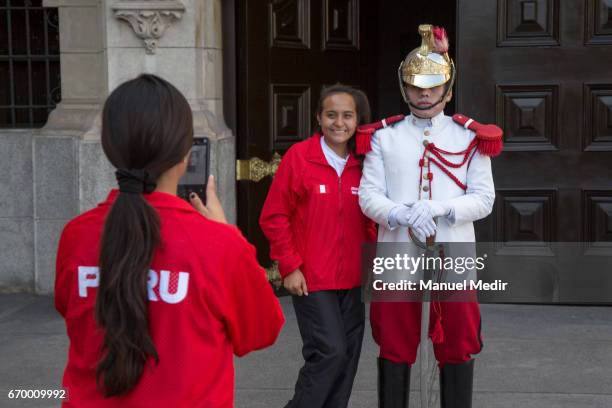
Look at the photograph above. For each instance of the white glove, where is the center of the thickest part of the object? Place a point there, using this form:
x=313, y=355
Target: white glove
x=424, y=228
x=424, y=211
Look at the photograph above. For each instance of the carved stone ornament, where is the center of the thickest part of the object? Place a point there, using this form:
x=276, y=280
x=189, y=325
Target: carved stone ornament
x=149, y=19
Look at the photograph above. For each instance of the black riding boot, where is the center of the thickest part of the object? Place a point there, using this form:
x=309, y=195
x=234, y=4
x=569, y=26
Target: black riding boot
x=393, y=384
x=456, y=385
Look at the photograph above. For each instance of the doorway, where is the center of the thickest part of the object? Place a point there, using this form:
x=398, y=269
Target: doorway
x=286, y=51
x=538, y=69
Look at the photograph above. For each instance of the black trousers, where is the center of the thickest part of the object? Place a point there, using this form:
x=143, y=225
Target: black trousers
x=331, y=323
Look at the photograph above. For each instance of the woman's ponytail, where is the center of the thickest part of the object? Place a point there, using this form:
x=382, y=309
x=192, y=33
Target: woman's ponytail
x=147, y=128
x=131, y=234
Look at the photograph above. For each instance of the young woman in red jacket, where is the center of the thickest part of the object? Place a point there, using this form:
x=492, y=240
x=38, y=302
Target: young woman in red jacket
x=315, y=227
x=157, y=298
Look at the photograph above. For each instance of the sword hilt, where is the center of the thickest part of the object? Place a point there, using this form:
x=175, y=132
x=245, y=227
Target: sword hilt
x=428, y=245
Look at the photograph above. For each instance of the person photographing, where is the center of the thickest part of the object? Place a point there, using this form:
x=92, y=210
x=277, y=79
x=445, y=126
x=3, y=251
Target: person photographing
x=157, y=294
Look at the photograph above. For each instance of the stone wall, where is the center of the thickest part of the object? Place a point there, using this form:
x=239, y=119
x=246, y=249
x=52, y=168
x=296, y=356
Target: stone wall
x=47, y=180
x=50, y=175
x=39, y=194
x=16, y=211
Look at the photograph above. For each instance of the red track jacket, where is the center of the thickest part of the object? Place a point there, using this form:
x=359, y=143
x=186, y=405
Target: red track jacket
x=313, y=221
x=208, y=299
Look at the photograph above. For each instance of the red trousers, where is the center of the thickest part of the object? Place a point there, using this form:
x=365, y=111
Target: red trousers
x=396, y=328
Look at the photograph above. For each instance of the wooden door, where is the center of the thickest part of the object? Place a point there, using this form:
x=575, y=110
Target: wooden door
x=287, y=50
x=542, y=70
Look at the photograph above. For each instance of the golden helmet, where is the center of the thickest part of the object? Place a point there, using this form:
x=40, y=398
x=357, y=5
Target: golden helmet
x=429, y=65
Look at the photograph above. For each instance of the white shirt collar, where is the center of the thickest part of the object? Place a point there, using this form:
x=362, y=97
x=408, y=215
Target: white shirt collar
x=329, y=152
x=337, y=162
x=423, y=123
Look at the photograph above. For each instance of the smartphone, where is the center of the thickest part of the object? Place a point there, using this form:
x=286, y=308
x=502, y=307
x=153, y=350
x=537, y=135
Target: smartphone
x=198, y=169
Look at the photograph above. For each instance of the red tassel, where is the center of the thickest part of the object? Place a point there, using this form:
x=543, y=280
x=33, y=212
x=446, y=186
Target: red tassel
x=437, y=335
x=363, y=138
x=490, y=137
x=490, y=148
x=363, y=141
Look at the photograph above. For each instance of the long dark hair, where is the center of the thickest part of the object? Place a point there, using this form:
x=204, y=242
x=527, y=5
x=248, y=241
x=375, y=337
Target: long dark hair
x=147, y=125
x=362, y=105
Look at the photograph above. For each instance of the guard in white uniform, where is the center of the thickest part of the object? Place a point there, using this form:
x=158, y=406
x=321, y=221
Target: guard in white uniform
x=430, y=175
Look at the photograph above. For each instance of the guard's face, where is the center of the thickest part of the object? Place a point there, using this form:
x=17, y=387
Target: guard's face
x=338, y=119
x=423, y=98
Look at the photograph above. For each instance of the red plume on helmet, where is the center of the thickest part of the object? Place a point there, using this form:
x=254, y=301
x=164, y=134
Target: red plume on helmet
x=440, y=40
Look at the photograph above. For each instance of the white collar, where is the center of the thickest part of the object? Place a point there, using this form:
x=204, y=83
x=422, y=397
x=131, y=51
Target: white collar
x=423, y=123
x=329, y=151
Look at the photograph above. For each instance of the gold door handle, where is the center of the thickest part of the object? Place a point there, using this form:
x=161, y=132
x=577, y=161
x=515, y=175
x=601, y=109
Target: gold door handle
x=255, y=169
x=273, y=275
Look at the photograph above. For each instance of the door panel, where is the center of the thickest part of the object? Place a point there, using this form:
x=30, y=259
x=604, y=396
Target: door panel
x=541, y=70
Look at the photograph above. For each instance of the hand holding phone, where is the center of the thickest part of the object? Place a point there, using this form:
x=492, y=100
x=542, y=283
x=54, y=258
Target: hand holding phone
x=213, y=209
x=196, y=177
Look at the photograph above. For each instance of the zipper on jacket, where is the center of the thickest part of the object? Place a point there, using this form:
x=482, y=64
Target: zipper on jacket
x=341, y=223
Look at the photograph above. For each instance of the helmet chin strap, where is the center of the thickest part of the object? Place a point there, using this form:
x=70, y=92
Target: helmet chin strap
x=424, y=108
x=442, y=99
x=449, y=87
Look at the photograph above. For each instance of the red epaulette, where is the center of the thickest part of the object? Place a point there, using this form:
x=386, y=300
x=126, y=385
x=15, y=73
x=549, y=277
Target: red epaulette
x=365, y=132
x=490, y=137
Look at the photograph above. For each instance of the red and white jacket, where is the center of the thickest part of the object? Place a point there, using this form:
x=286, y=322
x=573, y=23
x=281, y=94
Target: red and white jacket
x=208, y=300
x=313, y=221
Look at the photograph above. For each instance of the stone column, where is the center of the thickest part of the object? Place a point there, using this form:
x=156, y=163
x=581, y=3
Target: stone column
x=102, y=44
x=181, y=42
x=56, y=151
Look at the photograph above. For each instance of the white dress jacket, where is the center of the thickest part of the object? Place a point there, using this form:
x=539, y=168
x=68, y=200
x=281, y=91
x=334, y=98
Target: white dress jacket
x=391, y=176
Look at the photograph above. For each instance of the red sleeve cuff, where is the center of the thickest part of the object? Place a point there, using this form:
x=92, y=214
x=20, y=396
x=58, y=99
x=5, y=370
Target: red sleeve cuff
x=288, y=265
